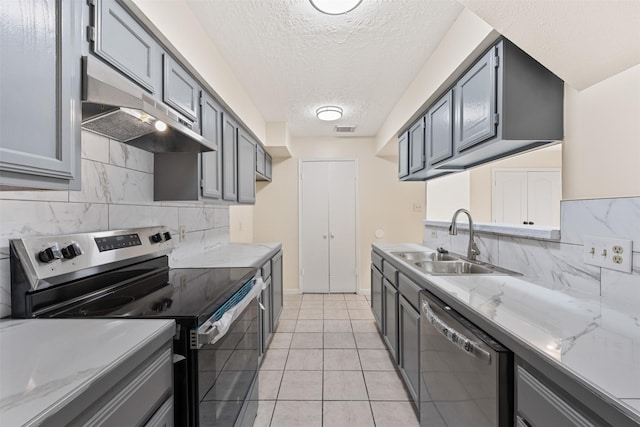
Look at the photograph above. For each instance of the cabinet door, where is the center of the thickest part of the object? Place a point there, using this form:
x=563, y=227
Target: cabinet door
x=40, y=93
x=267, y=325
x=211, y=114
x=376, y=295
x=260, y=160
x=179, y=89
x=390, y=311
x=229, y=159
x=403, y=155
x=416, y=147
x=475, y=93
x=246, y=168
x=125, y=44
x=277, y=284
x=439, y=130
x=267, y=166
x=409, y=346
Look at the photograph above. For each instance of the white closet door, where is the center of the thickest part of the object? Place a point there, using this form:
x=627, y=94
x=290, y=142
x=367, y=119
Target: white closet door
x=510, y=197
x=544, y=189
x=342, y=227
x=314, y=227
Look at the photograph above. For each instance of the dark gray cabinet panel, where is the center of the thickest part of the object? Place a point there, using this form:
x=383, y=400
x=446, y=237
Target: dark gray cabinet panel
x=537, y=405
x=246, y=168
x=409, y=347
x=267, y=166
x=277, y=284
x=267, y=325
x=40, y=94
x=417, y=155
x=125, y=44
x=476, y=103
x=260, y=161
x=229, y=159
x=439, y=130
x=211, y=118
x=390, y=317
x=376, y=296
x=403, y=155
x=179, y=89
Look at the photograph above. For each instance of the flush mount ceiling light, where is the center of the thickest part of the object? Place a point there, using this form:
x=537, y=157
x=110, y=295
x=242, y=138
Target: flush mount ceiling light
x=329, y=113
x=335, y=7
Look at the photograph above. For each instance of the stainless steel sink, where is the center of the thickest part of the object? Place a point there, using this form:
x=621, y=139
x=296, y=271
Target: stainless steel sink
x=461, y=267
x=425, y=256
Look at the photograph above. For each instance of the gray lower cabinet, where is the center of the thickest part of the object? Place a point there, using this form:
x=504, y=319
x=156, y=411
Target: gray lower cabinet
x=537, y=405
x=179, y=89
x=229, y=159
x=390, y=317
x=211, y=118
x=277, y=283
x=267, y=314
x=376, y=295
x=40, y=112
x=246, y=168
x=409, y=347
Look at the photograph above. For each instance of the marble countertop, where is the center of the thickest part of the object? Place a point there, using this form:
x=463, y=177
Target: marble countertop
x=231, y=255
x=46, y=363
x=593, y=342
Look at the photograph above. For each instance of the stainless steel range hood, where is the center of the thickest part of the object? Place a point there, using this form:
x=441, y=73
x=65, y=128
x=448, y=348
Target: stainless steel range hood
x=117, y=108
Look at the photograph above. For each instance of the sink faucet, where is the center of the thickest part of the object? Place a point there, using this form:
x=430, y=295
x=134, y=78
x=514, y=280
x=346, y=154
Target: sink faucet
x=472, y=250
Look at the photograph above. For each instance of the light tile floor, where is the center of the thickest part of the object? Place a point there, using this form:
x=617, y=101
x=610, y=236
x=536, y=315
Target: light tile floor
x=327, y=365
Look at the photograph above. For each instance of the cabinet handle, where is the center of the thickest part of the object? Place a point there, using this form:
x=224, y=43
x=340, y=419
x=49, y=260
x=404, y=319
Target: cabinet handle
x=324, y=236
x=332, y=235
x=456, y=338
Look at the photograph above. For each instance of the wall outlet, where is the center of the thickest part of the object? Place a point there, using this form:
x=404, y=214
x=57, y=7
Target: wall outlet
x=417, y=207
x=182, y=232
x=605, y=252
x=434, y=234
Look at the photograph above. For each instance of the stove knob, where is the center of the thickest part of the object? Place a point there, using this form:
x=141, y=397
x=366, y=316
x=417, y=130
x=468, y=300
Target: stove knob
x=50, y=254
x=72, y=251
x=167, y=236
x=156, y=238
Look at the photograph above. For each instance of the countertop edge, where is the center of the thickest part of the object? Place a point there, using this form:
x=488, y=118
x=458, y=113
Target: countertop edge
x=531, y=232
x=549, y=367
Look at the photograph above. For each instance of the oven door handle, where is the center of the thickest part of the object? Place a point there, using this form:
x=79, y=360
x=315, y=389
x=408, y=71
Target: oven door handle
x=212, y=332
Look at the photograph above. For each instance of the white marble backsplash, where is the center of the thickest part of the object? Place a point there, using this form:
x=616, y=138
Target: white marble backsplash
x=117, y=193
x=560, y=264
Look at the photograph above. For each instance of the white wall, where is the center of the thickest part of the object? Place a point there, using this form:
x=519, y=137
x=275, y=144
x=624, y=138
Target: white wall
x=384, y=202
x=446, y=194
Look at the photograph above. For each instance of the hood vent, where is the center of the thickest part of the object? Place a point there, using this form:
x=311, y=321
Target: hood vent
x=114, y=107
x=345, y=129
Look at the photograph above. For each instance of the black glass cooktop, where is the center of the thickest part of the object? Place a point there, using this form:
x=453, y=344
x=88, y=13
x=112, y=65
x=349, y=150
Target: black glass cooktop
x=188, y=293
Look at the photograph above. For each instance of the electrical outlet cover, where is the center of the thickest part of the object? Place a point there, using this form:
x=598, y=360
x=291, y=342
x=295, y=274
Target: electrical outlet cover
x=607, y=252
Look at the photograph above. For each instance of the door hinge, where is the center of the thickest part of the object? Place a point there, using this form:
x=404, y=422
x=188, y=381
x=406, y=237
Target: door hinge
x=91, y=33
x=496, y=61
x=202, y=183
x=201, y=99
x=496, y=118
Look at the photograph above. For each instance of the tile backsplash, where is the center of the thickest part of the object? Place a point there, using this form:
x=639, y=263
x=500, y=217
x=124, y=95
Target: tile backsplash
x=560, y=263
x=117, y=193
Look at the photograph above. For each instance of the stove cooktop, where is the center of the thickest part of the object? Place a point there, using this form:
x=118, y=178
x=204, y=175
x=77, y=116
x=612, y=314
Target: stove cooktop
x=189, y=293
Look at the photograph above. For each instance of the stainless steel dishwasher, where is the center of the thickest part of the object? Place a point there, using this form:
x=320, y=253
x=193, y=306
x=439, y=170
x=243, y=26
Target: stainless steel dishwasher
x=466, y=377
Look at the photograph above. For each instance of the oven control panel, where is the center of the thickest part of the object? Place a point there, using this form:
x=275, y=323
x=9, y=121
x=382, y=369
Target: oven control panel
x=49, y=256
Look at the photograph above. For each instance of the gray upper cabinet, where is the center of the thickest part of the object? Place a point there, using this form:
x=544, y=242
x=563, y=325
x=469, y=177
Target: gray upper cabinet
x=260, y=160
x=439, y=130
x=120, y=40
x=229, y=159
x=476, y=103
x=403, y=155
x=40, y=94
x=417, y=155
x=211, y=120
x=246, y=168
x=267, y=166
x=179, y=89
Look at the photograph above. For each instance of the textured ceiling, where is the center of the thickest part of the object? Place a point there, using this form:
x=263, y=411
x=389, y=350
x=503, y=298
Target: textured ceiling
x=582, y=41
x=291, y=59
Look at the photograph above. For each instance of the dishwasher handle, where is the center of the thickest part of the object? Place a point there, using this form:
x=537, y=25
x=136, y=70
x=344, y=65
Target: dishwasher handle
x=465, y=344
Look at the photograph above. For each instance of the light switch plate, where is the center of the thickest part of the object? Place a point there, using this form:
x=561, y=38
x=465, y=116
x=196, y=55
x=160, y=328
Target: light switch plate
x=606, y=252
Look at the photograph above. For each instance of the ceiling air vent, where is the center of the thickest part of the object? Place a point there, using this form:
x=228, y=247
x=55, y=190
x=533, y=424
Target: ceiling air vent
x=345, y=129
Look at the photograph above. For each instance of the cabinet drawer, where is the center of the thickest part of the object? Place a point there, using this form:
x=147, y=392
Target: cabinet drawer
x=391, y=273
x=266, y=270
x=538, y=405
x=376, y=260
x=409, y=290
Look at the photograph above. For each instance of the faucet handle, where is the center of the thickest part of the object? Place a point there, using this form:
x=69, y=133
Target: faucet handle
x=474, y=248
x=442, y=250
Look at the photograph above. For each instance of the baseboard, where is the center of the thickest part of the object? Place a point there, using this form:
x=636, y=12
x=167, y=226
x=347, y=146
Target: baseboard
x=364, y=291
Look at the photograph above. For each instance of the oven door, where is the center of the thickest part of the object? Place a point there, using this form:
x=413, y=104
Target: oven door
x=228, y=372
